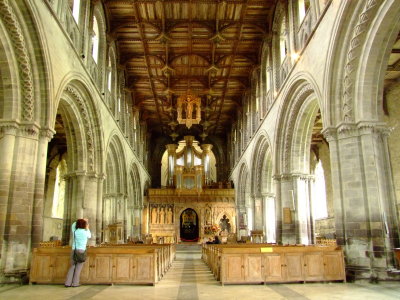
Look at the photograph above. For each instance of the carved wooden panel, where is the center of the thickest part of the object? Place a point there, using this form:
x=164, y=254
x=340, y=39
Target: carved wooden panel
x=123, y=268
x=333, y=266
x=273, y=268
x=234, y=268
x=42, y=269
x=254, y=267
x=102, y=270
x=61, y=265
x=294, y=266
x=313, y=266
x=143, y=268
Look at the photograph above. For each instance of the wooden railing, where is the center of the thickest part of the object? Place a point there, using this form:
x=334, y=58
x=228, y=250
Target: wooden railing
x=109, y=264
x=266, y=263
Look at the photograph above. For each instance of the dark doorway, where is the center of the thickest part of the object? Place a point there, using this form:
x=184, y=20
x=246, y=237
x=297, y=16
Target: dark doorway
x=189, y=226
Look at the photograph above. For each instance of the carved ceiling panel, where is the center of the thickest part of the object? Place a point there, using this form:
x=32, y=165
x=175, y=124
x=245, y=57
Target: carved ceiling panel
x=168, y=47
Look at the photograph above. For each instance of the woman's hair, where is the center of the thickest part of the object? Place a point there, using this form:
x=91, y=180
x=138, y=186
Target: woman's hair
x=81, y=223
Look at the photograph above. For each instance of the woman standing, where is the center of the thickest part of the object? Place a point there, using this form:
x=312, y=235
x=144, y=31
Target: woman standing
x=80, y=234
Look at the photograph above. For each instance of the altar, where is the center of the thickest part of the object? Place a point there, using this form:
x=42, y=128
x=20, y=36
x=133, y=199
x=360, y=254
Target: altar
x=191, y=208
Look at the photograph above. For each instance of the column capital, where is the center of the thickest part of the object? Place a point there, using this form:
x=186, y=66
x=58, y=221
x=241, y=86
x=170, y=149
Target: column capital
x=47, y=133
x=348, y=130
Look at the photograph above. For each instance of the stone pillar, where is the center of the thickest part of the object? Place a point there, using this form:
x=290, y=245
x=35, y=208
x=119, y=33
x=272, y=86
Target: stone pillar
x=171, y=148
x=19, y=150
x=366, y=221
x=270, y=217
x=295, y=209
x=258, y=213
x=38, y=201
x=90, y=205
x=99, y=210
x=8, y=134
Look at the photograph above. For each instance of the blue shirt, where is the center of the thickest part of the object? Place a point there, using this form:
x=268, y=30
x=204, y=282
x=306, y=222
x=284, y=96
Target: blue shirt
x=80, y=237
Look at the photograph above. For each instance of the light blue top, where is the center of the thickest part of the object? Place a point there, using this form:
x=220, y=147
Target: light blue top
x=80, y=237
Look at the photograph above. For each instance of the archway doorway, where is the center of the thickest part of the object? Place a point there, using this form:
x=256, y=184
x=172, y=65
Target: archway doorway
x=189, y=225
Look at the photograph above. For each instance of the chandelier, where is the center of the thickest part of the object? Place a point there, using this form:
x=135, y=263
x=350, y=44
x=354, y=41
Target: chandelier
x=188, y=109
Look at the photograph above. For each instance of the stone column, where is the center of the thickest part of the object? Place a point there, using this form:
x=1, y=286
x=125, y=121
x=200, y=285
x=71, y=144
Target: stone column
x=366, y=221
x=99, y=210
x=270, y=218
x=258, y=213
x=8, y=132
x=38, y=202
x=17, y=192
x=90, y=205
x=295, y=203
x=171, y=148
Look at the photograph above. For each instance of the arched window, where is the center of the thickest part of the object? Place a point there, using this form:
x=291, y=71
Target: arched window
x=95, y=39
x=303, y=6
x=320, y=210
x=75, y=6
x=59, y=191
x=282, y=40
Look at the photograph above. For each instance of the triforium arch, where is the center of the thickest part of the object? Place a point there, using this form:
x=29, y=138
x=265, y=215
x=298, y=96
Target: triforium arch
x=115, y=186
x=77, y=122
x=134, y=203
x=263, y=189
x=359, y=139
x=294, y=136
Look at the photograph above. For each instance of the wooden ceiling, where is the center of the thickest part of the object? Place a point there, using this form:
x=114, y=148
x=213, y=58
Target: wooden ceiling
x=168, y=47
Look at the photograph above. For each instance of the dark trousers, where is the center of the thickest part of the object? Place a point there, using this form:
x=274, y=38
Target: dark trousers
x=74, y=271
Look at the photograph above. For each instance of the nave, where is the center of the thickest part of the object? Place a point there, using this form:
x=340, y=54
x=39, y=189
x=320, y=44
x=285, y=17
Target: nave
x=190, y=279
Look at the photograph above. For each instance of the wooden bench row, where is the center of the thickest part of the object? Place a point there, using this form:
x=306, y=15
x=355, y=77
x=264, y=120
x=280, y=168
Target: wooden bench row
x=265, y=263
x=131, y=264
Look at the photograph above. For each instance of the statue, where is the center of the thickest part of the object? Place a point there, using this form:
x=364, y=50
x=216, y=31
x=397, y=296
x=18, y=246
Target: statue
x=169, y=216
x=154, y=215
x=162, y=215
x=207, y=216
x=224, y=224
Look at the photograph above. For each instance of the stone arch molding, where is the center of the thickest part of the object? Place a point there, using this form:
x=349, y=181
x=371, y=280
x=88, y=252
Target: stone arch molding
x=262, y=151
x=118, y=162
x=134, y=179
x=14, y=30
x=362, y=34
x=77, y=96
x=299, y=96
x=243, y=185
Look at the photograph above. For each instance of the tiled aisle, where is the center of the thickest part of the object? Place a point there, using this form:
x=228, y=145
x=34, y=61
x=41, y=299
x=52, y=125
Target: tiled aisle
x=189, y=278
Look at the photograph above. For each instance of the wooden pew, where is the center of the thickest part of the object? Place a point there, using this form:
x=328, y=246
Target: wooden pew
x=127, y=264
x=266, y=263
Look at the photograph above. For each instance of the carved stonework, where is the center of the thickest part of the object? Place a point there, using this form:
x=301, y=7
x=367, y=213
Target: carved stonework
x=353, y=54
x=86, y=121
x=24, y=65
x=47, y=133
x=8, y=128
x=298, y=101
x=330, y=134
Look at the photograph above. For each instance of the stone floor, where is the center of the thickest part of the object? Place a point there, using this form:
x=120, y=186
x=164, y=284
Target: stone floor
x=189, y=278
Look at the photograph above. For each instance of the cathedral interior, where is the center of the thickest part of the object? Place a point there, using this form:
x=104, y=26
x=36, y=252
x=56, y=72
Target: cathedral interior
x=269, y=125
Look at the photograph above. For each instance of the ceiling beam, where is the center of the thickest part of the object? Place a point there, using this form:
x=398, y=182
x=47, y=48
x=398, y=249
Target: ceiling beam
x=235, y=46
x=145, y=48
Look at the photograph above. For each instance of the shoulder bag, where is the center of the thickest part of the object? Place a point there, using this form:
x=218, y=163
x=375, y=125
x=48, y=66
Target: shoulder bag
x=78, y=257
